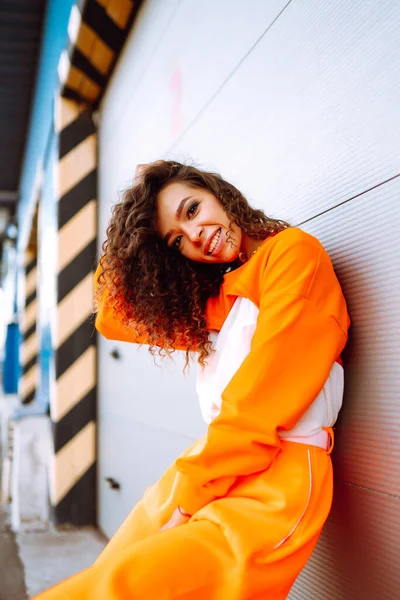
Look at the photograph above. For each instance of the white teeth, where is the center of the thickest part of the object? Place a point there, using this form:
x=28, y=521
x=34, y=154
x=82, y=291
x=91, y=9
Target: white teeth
x=214, y=242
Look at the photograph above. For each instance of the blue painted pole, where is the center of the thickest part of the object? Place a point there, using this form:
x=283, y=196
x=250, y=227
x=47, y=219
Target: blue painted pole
x=11, y=367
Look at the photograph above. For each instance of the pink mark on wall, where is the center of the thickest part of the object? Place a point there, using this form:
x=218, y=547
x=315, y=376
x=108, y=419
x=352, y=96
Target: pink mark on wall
x=176, y=87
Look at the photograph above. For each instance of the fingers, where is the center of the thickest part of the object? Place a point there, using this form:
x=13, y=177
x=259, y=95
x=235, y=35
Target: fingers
x=176, y=520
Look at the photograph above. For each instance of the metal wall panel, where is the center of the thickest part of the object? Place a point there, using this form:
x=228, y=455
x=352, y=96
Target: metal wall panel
x=154, y=93
x=297, y=105
x=174, y=62
x=361, y=236
x=357, y=556
x=135, y=453
x=310, y=118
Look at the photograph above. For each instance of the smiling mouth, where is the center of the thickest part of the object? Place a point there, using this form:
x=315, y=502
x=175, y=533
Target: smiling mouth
x=214, y=242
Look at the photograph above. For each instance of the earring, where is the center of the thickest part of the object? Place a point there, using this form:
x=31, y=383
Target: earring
x=242, y=257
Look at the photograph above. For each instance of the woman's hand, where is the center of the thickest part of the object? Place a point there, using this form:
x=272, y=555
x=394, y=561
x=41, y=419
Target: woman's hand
x=177, y=519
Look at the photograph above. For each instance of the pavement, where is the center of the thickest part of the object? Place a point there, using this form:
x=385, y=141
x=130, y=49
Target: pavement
x=12, y=577
x=33, y=561
x=51, y=556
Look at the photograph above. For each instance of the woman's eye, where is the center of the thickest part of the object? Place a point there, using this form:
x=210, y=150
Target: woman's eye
x=192, y=209
x=177, y=241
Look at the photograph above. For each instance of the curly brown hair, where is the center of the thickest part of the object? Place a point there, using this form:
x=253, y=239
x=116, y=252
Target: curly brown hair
x=155, y=288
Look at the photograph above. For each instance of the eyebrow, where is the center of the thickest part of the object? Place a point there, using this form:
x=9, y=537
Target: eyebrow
x=178, y=216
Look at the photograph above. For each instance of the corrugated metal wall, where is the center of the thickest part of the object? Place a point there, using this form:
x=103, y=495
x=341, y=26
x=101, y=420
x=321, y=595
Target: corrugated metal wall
x=297, y=103
x=358, y=555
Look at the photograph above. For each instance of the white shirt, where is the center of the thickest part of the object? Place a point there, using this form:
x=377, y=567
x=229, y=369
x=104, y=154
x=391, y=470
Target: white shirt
x=232, y=345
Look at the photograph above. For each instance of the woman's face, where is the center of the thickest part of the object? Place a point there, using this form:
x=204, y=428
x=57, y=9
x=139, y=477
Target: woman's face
x=192, y=221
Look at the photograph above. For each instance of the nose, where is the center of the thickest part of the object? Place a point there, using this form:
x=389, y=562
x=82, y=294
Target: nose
x=193, y=232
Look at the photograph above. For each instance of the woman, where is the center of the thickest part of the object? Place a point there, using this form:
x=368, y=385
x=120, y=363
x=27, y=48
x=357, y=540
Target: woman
x=188, y=264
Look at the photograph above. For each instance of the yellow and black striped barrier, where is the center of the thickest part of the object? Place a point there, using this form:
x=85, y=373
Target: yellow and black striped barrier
x=97, y=30
x=29, y=346
x=73, y=408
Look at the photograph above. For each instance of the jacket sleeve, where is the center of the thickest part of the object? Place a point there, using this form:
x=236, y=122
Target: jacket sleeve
x=301, y=330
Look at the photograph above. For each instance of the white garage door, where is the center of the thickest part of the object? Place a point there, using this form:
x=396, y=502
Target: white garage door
x=297, y=104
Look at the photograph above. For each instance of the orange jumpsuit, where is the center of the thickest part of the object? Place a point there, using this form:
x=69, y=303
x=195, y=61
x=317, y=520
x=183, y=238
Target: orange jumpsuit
x=258, y=502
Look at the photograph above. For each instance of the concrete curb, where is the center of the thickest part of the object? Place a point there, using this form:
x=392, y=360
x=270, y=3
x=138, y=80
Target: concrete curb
x=29, y=478
x=8, y=404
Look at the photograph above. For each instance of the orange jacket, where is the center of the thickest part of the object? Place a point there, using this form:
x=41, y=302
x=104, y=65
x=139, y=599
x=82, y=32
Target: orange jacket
x=301, y=330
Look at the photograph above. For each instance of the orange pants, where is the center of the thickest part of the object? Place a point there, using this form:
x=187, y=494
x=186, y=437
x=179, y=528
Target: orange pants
x=249, y=545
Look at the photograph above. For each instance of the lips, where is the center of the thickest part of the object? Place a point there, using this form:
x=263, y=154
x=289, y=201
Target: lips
x=210, y=240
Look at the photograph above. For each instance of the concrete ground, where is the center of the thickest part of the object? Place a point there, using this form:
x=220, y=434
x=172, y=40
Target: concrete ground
x=32, y=561
x=51, y=556
x=12, y=578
